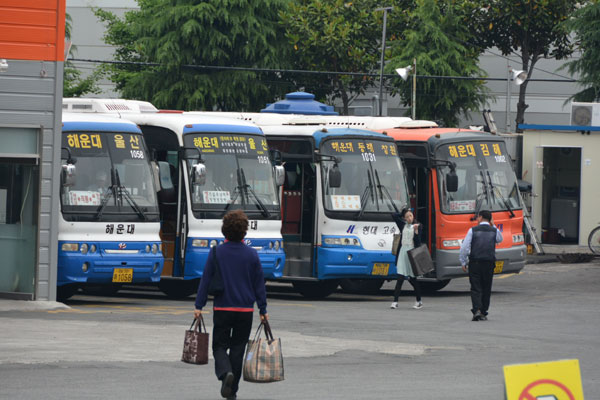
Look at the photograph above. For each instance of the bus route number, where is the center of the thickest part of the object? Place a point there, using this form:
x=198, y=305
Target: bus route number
x=368, y=157
x=500, y=159
x=137, y=154
x=263, y=159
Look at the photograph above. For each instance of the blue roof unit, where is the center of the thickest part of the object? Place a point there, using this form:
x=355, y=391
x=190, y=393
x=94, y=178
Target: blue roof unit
x=95, y=126
x=299, y=103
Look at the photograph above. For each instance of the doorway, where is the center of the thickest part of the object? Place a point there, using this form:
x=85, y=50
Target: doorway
x=560, y=194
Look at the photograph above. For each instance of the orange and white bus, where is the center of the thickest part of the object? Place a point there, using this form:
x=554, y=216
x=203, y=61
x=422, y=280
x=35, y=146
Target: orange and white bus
x=453, y=173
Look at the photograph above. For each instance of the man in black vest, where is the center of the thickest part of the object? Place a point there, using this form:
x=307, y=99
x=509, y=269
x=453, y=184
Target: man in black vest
x=478, y=250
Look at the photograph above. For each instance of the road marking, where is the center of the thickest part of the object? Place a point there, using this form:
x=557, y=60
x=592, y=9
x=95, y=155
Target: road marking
x=506, y=276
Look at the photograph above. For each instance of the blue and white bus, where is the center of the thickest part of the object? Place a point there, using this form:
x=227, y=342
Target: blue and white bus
x=109, y=222
x=208, y=166
x=341, y=187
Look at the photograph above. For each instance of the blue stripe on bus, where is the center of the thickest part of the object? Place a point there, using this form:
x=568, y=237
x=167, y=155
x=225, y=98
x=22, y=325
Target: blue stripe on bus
x=335, y=132
x=100, y=127
x=221, y=128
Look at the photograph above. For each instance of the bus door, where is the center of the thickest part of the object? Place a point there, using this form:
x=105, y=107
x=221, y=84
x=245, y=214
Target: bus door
x=298, y=206
x=415, y=157
x=164, y=146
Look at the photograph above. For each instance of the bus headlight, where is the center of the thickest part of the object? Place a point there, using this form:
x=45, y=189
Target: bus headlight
x=147, y=248
x=85, y=267
x=270, y=245
x=199, y=243
x=213, y=243
x=93, y=248
x=154, y=248
x=518, y=238
x=70, y=247
x=276, y=247
x=451, y=243
x=84, y=248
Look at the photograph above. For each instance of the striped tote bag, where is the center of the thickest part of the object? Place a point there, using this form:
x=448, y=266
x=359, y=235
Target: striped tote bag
x=264, y=360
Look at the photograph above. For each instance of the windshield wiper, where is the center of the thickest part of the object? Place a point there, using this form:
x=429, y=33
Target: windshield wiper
x=368, y=190
x=258, y=202
x=494, y=189
x=479, y=198
x=382, y=188
x=110, y=192
x=123, y=192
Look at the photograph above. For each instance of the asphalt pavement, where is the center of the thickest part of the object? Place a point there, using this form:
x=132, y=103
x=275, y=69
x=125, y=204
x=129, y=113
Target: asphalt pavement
x=344, y=347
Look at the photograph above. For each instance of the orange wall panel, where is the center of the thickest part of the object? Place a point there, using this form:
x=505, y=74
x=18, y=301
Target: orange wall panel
x=32, y=29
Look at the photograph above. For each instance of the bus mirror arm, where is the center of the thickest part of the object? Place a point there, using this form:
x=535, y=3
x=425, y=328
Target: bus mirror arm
x=198, y=173
x=451, y=177
x=68, y=169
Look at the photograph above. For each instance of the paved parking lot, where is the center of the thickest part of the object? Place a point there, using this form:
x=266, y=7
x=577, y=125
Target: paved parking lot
x=344, y=347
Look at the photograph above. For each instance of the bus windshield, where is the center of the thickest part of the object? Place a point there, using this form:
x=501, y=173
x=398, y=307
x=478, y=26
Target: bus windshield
x=239, y=174
x=372, y=176
x=113, y=179
x=486, y=179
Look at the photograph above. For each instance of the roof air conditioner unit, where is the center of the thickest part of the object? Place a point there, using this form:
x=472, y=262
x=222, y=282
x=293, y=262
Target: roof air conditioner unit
x=585, y=114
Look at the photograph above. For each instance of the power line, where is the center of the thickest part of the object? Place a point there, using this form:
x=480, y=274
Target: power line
x=300, y=71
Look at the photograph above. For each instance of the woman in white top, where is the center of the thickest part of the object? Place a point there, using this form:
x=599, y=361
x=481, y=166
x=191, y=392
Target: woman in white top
x=409, y=240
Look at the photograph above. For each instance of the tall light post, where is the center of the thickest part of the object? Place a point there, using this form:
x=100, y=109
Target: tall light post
x=403, y=72
x=518, y=77
x=385, y=11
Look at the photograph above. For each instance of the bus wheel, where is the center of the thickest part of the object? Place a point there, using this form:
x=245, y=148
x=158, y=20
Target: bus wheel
x=363, y=286
x=431, y=287
x=65, y=292
x=101, y=290
x=316, y=290
x=178, y=288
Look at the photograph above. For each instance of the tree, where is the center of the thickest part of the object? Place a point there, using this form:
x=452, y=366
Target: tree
x=435, y=38
x=176, y=33
x=533, y=27
x=73, y=84
x=334, y=35
x=584, y=24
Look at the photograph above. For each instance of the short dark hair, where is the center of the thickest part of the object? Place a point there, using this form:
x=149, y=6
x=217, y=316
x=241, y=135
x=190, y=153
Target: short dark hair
x=485, y=214
x=404, y=211
x=235, y=225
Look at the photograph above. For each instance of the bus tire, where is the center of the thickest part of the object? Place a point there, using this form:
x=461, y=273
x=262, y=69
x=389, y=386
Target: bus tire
x=316, y=290
x=65, y=292
x=101, y=290
x=362, y=286
x=178, y=288
x=432, y=287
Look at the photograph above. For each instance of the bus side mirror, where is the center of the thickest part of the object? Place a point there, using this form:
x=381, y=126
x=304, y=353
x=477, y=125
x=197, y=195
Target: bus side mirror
x=156, y=175
x=279, y=175
x=451, y=182
x=68, y=175
x=199, y=174
x=335, y=177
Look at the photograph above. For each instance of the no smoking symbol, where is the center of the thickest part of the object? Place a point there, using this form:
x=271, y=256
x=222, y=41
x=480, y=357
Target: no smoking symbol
x=546, y=389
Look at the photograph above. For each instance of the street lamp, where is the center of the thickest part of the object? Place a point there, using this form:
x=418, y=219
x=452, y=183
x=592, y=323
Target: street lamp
x=385, y=11
x=403, y=72
x=518, y=77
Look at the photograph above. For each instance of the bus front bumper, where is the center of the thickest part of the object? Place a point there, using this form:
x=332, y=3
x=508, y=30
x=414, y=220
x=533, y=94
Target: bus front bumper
x=354, y=262
x=447, y=265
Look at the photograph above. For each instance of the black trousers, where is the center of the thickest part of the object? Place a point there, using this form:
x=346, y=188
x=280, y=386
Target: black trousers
x=231, y=331
x=413, y=281
x=481, y=274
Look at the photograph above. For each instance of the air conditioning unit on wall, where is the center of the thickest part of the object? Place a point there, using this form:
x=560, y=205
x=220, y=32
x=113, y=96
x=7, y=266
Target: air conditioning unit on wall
x=585, y=114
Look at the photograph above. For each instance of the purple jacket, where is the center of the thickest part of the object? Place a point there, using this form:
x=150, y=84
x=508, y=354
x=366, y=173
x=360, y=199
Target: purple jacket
x=243, y=278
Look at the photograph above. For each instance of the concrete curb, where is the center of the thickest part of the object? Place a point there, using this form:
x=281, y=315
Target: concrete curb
x=24, y=305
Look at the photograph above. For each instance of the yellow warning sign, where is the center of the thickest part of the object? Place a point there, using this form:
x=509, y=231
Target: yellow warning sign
x=553, y=380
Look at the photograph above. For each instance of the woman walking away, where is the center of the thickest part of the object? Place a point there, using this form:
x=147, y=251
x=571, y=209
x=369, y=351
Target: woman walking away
x=409, y=239
x=244, y=284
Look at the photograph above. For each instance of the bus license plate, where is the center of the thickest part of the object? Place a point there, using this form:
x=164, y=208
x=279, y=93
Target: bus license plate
x=380, y=269
x=498, y=267
x=122, y=275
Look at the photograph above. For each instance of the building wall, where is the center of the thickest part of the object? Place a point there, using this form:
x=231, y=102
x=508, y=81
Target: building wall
x=32, y=41
x=589, y=216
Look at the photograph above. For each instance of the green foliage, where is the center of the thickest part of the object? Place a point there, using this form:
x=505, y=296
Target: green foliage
x=532, y=27
x=334, y=35
x=435, y=38
x=73, y=84
x=585, y=23
x=175, y=33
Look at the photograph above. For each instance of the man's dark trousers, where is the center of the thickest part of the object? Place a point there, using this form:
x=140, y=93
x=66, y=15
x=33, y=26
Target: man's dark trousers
x=481, y=274
x=231, y=331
